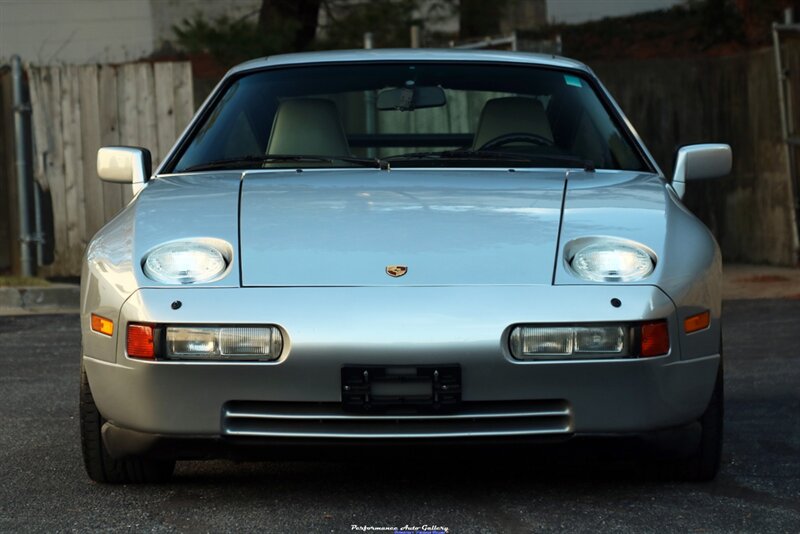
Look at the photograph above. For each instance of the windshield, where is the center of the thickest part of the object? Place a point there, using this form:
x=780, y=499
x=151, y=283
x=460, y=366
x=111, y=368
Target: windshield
x=419, y=114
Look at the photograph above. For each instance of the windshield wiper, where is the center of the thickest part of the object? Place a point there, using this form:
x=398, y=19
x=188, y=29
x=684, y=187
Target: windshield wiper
x=586, y=164
x=256, y=161
x=495, y=155
x=417, y=155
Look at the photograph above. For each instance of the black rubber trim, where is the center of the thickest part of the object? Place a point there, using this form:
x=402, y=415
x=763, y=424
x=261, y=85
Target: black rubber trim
x=122, y=443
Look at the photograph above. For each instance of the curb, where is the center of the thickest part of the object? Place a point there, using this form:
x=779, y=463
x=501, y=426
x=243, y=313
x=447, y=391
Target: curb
x=52, y=299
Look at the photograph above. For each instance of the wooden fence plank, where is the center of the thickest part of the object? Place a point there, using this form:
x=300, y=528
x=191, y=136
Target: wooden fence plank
x=165, y=109
x=39, y=89
x=79, y=109
x=42, y=137
x=9, y=227
x=128, y=114
x=54, y=165
x=39, y=125
x=145, y=92
x=90, y=143
x=184, y=95
x=73, y=166
x=109, y=135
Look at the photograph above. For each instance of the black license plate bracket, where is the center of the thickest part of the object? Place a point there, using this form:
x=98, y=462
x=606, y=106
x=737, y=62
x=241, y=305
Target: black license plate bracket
x=393, y=388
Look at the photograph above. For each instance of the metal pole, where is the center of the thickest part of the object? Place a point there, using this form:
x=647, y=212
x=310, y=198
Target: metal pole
x=22, y=138
x=414, y=36
x=39, y=225
x=776, y=47
x=369, y=104
x=786, y=125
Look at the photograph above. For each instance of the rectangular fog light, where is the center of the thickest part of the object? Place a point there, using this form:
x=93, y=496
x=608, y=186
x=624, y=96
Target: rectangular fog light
x=563, y=342
x=261, y=342
x=537, y=341
x=191, y=341
x=249, y=343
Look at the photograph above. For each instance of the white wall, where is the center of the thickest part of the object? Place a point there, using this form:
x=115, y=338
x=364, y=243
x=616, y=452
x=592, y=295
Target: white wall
x=576, y=11
x=100, y=31
x=75, y=31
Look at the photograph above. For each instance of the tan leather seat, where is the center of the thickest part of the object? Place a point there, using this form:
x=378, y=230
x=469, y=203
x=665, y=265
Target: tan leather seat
x=511, y=114
x=307, y=127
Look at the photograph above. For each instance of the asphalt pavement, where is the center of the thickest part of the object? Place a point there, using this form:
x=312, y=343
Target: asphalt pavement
x=43, y=486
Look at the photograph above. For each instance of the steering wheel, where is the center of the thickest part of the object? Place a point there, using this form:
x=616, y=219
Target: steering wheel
x=516, y=137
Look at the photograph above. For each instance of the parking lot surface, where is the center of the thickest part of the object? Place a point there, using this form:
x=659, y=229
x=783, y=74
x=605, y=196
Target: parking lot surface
x=44, y=487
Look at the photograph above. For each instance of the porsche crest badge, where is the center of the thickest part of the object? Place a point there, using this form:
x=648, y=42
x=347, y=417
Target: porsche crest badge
x=396, y=270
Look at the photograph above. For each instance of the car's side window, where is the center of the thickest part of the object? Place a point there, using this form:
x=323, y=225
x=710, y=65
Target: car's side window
x=588, y=141
x=241, y=141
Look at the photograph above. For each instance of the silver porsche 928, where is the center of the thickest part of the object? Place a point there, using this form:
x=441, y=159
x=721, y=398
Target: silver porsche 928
x=402, y=246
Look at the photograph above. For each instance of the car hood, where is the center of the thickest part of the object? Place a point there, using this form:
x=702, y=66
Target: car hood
x=448, y=227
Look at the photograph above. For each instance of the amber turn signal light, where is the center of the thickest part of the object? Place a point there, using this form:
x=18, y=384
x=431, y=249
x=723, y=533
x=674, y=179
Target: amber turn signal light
x=655, y=339
x=697, y=322
x=102, y=325
x=140, y=341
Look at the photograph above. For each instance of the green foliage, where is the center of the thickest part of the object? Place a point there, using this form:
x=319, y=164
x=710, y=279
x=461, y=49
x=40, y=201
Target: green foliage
x=389, y=21
x=232, y=41
x=479, y=18
x=722, y=21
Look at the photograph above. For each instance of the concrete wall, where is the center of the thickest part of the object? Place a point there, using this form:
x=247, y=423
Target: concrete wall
x=734, y=100
x=46, y=32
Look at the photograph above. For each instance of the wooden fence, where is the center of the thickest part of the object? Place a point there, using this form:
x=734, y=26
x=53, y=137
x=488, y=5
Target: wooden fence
x=734, y=99
x=729, y=100
x=78, y=109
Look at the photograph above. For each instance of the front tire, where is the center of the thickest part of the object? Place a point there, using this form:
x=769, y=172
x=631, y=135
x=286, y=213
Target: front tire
x=703, y=464
x=100, y=466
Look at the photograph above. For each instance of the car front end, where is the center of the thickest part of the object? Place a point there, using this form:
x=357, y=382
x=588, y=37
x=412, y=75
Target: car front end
x=304, y=301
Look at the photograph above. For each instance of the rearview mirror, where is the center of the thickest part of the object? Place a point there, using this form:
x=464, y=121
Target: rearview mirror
x=700, y=162
x=411, y=98
x=124, y=165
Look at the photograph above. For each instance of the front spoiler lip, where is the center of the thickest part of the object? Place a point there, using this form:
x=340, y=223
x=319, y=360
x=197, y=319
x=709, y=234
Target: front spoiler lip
x=122, y=442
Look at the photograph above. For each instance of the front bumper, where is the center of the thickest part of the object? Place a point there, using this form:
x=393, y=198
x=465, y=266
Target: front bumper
x=298, y=396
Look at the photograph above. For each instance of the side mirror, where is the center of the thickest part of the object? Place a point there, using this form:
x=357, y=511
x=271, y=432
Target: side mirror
x=700, y=162
x=124, y=165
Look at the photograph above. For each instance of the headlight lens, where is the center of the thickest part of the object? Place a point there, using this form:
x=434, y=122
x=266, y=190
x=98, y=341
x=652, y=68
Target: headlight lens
x=612, y=260
x=564, y=342
x=185, y=262
x=247, y=343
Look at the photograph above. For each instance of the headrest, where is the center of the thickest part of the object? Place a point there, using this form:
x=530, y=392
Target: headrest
x=511, y=114
x=307, y=127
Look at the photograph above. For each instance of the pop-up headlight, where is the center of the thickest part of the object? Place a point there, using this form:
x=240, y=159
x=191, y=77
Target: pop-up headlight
x=184, y=262
x=607, y=259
